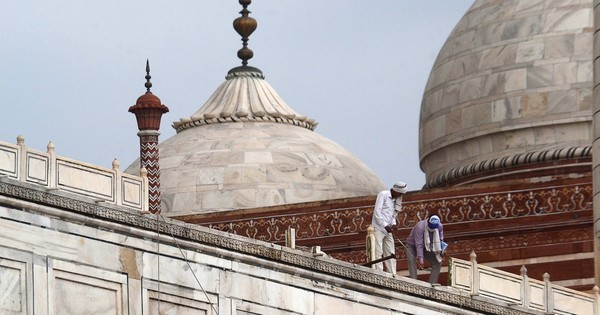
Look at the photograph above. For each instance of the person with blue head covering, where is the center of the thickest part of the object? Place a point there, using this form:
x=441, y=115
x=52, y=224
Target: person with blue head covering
x=425, y=242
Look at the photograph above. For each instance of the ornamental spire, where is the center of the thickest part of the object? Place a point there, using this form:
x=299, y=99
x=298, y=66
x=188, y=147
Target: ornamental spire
x=245, y=26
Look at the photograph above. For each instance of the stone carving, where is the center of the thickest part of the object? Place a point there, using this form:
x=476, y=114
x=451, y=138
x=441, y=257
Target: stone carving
x=477, y=207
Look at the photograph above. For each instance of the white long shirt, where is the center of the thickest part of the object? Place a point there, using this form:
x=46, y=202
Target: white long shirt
x=385, y=213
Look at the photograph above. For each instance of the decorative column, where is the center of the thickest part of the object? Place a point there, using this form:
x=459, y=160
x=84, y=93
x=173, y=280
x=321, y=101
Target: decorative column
x=596, y=143
x=148, y=111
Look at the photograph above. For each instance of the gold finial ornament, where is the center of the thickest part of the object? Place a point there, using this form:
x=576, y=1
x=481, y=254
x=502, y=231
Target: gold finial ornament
x=244, y=26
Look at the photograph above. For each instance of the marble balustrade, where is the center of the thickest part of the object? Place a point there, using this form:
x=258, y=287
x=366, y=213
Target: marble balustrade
x=55, y=172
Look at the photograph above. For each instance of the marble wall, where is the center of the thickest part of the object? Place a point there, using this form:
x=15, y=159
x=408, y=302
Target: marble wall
x=86, y=258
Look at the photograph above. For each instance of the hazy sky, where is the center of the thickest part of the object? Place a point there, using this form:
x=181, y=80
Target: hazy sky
x=69, y=70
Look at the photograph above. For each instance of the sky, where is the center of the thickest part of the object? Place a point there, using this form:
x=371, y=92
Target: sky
x=70, y=70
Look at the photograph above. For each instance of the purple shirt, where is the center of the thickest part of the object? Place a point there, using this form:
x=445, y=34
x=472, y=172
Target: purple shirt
x=416, y=236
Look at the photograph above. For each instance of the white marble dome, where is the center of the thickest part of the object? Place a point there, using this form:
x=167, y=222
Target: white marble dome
x=246, y=148
x=512, y=85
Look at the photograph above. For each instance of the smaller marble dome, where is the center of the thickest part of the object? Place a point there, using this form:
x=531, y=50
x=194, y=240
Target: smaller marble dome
x=511, y=85
x=246, y=148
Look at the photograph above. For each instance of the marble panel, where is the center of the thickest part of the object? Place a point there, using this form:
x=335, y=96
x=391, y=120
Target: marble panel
x=583, y=44
x=500, y=285
x=38, y=168
x=470, y=89
x=258, y=157
x=453, y=122
x=450, y=97
x=564, y=20
x=8, y=160
x=176, y=277
x=562, y=101
x=566, y=3
x=574, y=132
x=208, y=176
x=478, y=114
x=565, y=73
x=493, y=84
x=431, y=104
x=273, y=196
x=530, y=6
x=509, y=140
x=326, y=305
x=294, y=158
x=222, y=145
x=169, y=161
x=440, y=74
x=498, y=56
x=544, y=135
x=296, y=195
x=458, y=44
x=540, y=76
x=253, y=175
x=585, y=71
x=584, y=99
x=233, y=175
x=267, y=293
x=515, y=80
x=184, y=178
x=530, y=51
x=504, y=10
x=596, y=70
x=537, y=294
x=435, y=129
x=132, y=193
x=534, y=105
x=322, y=159
x=463, y=66
x=211, y=200
x=13, y=287
x=487, y=34
x=160, y=303
x=560, y=46
x=522, y=27
x=249, y=308
x=570, y=301
x=461, y=274
x=596, y=42
x=506, y=109
x=319, y=175
x=104, y=292
x=184, y=201
x=226, y=158
x=250, y=144
x=85, y=180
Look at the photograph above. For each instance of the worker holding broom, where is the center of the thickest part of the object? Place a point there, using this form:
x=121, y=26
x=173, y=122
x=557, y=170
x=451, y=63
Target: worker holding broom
x=426, y=241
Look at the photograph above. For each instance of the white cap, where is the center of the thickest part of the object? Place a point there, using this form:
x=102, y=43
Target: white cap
x=400, y=187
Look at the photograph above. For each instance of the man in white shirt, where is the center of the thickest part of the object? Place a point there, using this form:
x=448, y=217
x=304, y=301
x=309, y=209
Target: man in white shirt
x=387, y=206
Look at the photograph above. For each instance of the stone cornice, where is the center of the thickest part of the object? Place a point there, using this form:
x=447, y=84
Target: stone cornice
x=509, y=161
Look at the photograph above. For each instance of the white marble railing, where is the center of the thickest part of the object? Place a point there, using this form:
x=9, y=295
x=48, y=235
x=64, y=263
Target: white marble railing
x=55, y=172
x=520, y=290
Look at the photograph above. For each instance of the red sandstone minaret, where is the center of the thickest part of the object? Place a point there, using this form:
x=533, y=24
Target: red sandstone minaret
x=148, y=111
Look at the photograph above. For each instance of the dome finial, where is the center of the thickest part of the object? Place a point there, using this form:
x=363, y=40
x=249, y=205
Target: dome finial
x=244, y=26
x=148, y=84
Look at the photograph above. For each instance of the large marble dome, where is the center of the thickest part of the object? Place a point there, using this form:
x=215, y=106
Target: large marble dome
x=510, y=90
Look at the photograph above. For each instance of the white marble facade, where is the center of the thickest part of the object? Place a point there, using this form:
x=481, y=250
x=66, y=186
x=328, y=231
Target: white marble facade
x=87, y=258
x=514, y=77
